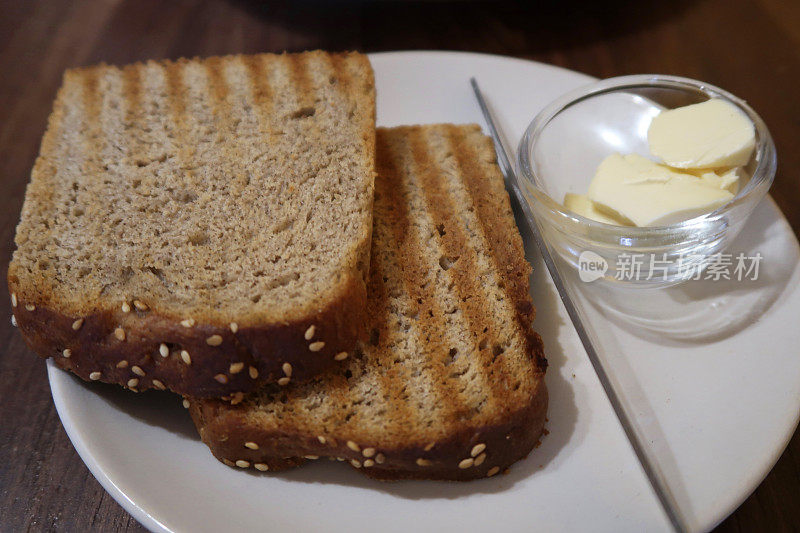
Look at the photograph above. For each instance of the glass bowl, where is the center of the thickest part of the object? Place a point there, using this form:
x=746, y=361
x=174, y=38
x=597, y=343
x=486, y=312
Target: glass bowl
x=565, y=143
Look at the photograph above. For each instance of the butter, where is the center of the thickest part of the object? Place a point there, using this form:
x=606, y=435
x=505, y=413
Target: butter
x=580, y=203
x=712, y=134
x=726, y=179
x=650, y=194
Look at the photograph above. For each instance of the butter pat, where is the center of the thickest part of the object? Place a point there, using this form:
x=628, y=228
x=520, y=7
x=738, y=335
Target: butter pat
x=580, y=203
x=711, y=134
x=650, y=194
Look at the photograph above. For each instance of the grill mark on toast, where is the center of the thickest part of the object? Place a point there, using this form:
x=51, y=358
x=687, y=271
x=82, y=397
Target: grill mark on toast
x=176, y=91
x=433, y=327
x=222, y=111
x=497, y=232
x=303, y=84
x=396, y=221
x=455, y=243
x=259, y=87
x=216, y=80
x=344, y=67
x=91, y=97
x=132, y=91
x=340, y=73
x=378, y=298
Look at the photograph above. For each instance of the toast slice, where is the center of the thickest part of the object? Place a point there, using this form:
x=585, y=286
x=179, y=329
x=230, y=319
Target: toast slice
x=450, y=384
x=197, y=225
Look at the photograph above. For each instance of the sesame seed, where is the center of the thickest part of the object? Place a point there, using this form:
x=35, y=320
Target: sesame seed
x=157, y=384
x=284, y=381
x=287, y=369
x=316, y=346
x=368, y=452
x=380, y=458
x=119, y=333
x=310, y=332
x=222, y=378
x=13, y=299
x=466, y=463
x=261, y=466
x=185, y=357
x=253, y=372
x=429, y=446
x=251, y=445
x=492, y=471
x=423, y=462
x=125, y=307
x=186, y=404
x=241, y=463
x=13, y=321
x=94, y=376
x=312, y=457
x=123, y=364
x=140, y=305
x=132, y=383
x=236, y=367
x=234, y=327
x=137, y=370
x=77, y=324
x=355, y=463
x=228, y=462
x=66, y=353
x=341, y=356
x=236, y=398
x=340, y=459
x=321, y=439
x=214, y=340
x=187, y=323
x=353, y=446
x=163, y=350
x=480, y=459
x=30, y=307
x=478, y=448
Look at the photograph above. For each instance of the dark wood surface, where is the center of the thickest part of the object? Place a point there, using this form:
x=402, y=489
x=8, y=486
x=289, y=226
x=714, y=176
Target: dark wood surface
x=750, y=47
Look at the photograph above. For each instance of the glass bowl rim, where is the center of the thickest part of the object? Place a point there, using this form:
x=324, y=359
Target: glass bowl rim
x=756, y=187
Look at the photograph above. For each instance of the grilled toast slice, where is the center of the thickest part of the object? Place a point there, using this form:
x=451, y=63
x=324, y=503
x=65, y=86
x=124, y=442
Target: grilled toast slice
x=450, y=384
x=196, y=225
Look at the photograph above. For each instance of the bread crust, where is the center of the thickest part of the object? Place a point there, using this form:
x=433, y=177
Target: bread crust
x=227, y=432
x=95, y=347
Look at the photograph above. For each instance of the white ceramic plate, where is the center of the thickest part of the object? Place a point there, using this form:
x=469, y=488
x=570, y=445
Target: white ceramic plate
x=719, y=412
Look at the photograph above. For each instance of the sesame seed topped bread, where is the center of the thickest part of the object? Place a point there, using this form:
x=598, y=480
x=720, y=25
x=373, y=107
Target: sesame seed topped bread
x=450, y=384
x=200, y=225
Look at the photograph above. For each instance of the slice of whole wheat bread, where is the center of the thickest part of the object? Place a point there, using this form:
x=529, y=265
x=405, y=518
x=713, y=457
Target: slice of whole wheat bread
x=199, y=225
x=450, y=384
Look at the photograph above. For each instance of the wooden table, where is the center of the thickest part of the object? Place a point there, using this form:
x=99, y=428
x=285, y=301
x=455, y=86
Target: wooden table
x=750, y=47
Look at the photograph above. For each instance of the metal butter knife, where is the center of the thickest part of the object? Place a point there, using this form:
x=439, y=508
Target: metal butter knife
x=654, y=475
